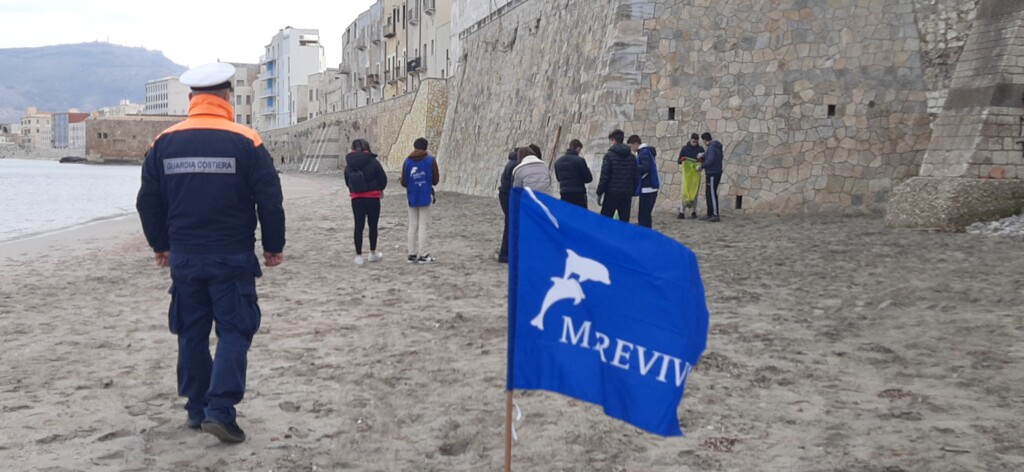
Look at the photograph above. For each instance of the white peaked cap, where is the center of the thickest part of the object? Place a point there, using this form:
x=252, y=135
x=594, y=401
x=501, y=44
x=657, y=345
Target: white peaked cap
x=208, y=75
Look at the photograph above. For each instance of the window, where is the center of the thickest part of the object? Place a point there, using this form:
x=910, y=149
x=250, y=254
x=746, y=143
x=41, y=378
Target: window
x=248, y=120
x=831, y=110
x=238, y=118
x=238, y=99
x=672, y=114
x=239, y=82
x=248, y=99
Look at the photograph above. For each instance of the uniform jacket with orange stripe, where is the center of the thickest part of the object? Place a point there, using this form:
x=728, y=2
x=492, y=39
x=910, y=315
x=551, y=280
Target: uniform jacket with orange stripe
x=201, y=181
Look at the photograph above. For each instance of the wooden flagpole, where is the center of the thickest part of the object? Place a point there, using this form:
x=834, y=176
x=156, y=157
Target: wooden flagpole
x=508, y=431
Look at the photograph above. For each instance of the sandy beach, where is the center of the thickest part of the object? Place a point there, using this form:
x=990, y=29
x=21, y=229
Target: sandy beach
x=836, y=344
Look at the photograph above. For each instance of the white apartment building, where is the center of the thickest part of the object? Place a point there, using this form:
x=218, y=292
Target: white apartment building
x=124, y=108
x=290, y=58
x=76, y=134
x=244, y=102
x=166, y=96
x=36, y=129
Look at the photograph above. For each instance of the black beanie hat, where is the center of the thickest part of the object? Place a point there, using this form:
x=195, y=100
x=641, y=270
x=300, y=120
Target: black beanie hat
x=420, y=144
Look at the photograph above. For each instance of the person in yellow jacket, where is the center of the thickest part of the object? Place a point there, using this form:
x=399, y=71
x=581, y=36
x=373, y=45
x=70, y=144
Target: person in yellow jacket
x=691, y=176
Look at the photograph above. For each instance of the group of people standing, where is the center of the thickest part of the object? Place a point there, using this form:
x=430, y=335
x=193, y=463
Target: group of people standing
x=629, y=170
x=366, y=181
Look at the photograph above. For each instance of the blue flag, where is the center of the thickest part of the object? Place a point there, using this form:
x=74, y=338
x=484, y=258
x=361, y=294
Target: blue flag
x=602, y=311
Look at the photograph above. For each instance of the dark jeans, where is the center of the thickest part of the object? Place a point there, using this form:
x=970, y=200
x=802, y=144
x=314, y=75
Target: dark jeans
x=643, y=216
x=711, y=192
x=503, y=251
x=619, y=203
x=576, y=198
x=366, y=209
x=208, y=289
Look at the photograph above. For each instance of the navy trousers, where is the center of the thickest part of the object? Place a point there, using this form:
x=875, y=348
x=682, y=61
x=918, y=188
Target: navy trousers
x=208, y=290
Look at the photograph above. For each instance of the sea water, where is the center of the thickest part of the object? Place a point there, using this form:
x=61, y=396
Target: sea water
x=38, y=197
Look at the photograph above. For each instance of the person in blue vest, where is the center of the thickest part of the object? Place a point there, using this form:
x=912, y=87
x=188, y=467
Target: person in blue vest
x=205, y=183
x=419, y=176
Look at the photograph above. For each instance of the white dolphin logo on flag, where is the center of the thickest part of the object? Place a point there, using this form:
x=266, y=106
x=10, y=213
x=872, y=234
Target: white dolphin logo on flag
x=568, y=288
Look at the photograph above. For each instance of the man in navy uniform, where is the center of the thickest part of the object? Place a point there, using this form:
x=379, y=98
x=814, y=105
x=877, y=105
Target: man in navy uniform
x=205, y=181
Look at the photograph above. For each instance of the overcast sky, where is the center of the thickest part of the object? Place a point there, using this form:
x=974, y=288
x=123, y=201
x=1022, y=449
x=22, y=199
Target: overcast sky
x=189, y=32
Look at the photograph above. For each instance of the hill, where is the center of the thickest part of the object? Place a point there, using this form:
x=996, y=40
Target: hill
x=87, y=76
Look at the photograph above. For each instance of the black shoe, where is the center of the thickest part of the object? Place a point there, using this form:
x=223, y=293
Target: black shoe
x=226, y=432
x=714, y=219
x=693, y=215
x=412, y=258
x=194, y=422
x=681, y=216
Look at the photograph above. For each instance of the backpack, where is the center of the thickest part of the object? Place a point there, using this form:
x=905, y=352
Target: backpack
x=357, y=181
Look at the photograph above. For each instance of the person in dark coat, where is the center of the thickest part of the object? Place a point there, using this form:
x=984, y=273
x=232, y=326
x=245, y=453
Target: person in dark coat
x=647, y=187
x=573, y=175
x=711, y=164
x=504, y=189
x=366, y=181
x=619, y=178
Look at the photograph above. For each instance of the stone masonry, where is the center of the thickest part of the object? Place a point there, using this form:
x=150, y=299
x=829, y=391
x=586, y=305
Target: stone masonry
x=821, y=105
x=974, y=167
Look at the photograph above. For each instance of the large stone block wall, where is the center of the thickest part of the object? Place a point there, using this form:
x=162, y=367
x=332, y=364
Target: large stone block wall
x=425, y=119
x=974, y=167
x=530, y=76
x=761, y=76
x=944, y=26
x=124, y=137
x=330, y=136
x=390, y=127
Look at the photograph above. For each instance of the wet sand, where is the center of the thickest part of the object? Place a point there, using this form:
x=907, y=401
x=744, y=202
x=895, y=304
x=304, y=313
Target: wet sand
x=836, y=344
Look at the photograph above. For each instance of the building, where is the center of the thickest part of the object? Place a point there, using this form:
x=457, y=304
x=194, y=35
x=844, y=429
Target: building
x=245, y=80
x=76, y=130
x=61, y=128
x=362, y=61
x=37, y=129
x=288, y=61
x=125, y=108
x=316, y=92
x=124, y=137
x=166, y=96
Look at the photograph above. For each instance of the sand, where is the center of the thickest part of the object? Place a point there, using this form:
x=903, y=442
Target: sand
x=835, y=344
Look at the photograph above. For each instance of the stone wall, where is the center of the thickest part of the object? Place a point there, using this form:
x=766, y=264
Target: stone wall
x=978, y=138
x=124, y=137
x=425, y=119
x=944, y=26
x=821, y=105
x=330, y=136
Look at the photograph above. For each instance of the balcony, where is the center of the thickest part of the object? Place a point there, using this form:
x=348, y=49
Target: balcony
x=389, y=29
x=429, y=6
x=375, y=36
x=344, y=69
x=415, y=66
x=361, y=43
x=413, y=17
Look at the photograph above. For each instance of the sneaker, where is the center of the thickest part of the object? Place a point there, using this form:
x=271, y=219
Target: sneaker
x=360, y=261
x=714, y=219
x=425, y=259
x=194, y=422
x=412, y=258
x=693, y=215
x=375, y=256
x=226, y=432
x=681, y=216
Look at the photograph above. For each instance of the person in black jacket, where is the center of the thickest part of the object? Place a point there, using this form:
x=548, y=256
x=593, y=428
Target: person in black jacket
x=504, y=189
x=711, y=164
x=619, y=178
x=573, y=175
x=366, y=181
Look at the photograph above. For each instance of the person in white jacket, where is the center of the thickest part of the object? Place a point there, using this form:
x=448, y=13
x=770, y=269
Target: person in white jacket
x=531, y=171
